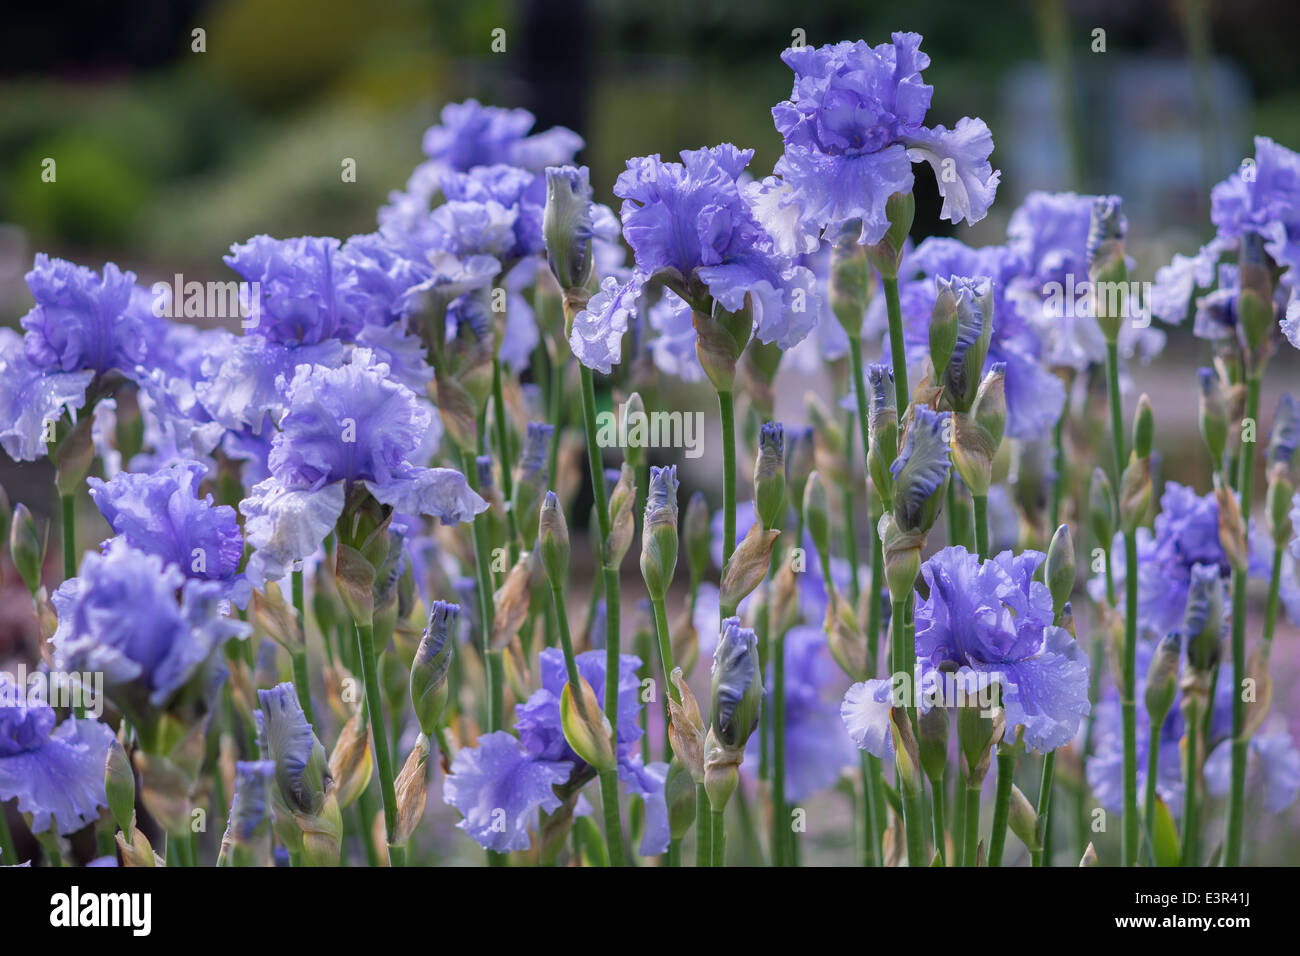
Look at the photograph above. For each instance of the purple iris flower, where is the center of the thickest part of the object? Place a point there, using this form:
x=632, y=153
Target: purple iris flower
x=139, y=620
x=1263, y=197
x=515, y=775
x=691, y=226
x=162, y=514
x=55, y=773
x=344, y=426
x=853, y=126
x=992, y=619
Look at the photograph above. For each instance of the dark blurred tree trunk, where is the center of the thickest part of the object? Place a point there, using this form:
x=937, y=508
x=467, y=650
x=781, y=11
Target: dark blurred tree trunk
x=555, y=61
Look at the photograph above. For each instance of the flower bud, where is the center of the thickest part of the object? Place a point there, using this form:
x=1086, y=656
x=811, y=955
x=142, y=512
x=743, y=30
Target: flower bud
x=769, y=475
x=307, y=816
x=531, y=478
x=757, y=369
x=921, y=469
x=1284, y=439
x=977, y=435
x=906, y=758
x=737, y=688
x=883, y=427
x=1144, y=428
x=1162, y=677
x=1255, y=312
x=567, y=225
x=698, y=536
x=816, y=515
x=849, y=273
x=1102, y=511
x=970, y=300
x=1213, y=417
x=137, y=851
x=828, y=442
x=1277, y=514
x=622, y=517
x=246, y=841
x=720, y=340
x=1022, y=818
x=119, y=786
x=553, y=541
x=1203, y=618
x=351, y=762
x=659, y=532
x=1058, y=571
x=511, y=602
x=26, y=548
x=1107, y=268
x=932, y=744
x=586, y=727
x=748, y=566
x=1232, y=528
x=431, y=664
x=635, y=450
x=976, y=735
x=1089, y=857
x=887, y=254
x=1135, y=493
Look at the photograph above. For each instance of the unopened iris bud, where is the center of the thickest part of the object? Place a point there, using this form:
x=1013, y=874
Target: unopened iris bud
x=553, y=541
x=1144, y=427
x=976, y=735
x=978, y=434
x=659, y=532
x=829, y=443
x=567, y=225
x=1203, y=618
x=887, y=254
x=512, y=601
x=1232, y=527
x=246, y=841
x=883, y=427
x=737, y=697
x=720, y=340
x=679, y=794
x=1277, y=514
x=431, y=664
x=119, y=786
x=586, y=727
x=906, y=757
x=1058, y=569
x=932, y=742
x=921, y=469
x=635, y=452
x=686, y=730
x=1107, y=268
x=747, y=566
x=351, y=762
x=1102, y=511
x=1284, y=439
x=26, y=549
x=1213, y=417
x=769, y=475
x=1255, y=312
x=816, y=515
x=531, y=478
x=1022, y=819
x=800, y=460
x=848, y=282
x=622, y=517
x=972, y=315
x=307, y=816
x=698, y=536
x=1162, y=677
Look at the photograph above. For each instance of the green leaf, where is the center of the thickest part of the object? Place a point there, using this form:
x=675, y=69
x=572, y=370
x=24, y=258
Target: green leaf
x=1164, y=842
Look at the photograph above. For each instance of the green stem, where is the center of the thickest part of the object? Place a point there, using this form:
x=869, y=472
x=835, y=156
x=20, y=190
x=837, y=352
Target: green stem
x=703, y=828
x=379, y=738
x=1240, y=733
x=1001, y=804
x=1191, y=825
x=971, y=831
x=936, y=806
x=1058, y=464
x=299, y=655
x=902, y=395
x=1039, y=854
x=486, y=604
x=871, y=811
x=69, y=503
x=613, y=824
x=727, y=412
x=501, y=427
x=719, y=838
x=1149, y=794
x=1128, y=706
x=8, y=850
x=981, y=503
x=780, y=818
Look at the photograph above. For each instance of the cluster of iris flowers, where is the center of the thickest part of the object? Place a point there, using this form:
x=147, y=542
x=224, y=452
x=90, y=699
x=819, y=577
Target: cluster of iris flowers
x=273, y=580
